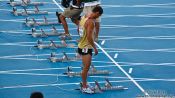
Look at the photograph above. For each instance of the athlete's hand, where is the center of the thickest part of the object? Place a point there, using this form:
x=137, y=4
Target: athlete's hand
x=96, y=51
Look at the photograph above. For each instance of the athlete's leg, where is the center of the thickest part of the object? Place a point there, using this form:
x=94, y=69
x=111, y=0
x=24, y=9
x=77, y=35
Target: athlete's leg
x=64, y=23
x=87, y=62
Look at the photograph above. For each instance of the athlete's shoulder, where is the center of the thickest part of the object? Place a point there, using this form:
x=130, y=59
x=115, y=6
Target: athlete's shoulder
x=90, y=21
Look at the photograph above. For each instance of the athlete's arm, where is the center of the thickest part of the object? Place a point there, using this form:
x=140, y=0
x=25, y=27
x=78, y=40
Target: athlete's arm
x=90, y=31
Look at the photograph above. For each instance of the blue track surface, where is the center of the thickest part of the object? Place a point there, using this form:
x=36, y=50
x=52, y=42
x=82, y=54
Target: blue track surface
x=140, y=32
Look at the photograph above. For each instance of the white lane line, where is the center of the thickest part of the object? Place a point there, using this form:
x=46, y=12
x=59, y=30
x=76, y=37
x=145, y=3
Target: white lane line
x=63, y=68
x=25, y=45
x=102, y=38
x=139, y=26
x=33, y=55
x=45, y=85
x=129, y=64
x=111, y=50
x=43, y=69
x=25, y=70
x=156, y=79
x=26, y=15
x=127, y=6
x=37, y=19
x=33, y=43
x=120, y=51
x=165, y=15
x=16, y=45
x=33, y=74
x=158, y=14
x=142, y=63
x=41, y=9
x=32, y=59
x=170, y=51
x=28, y=44
x=145, y=64
x=101, y=62
x=77, y=83
x=147, y=38
x=23, y=20
x=31, y=86
x=20, y=1
x=26, y=31
x=154, y=25
x=10, y=20
x=160, y=5
x=130, y=26
x=110, y=39
x=142, y=37
x=61, y=75
x=141, y=50
x=109, y=77
x=25, y=55
x=105, y=16
x=141, y=16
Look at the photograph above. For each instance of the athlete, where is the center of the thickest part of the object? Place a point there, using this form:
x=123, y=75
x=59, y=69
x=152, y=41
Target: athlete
x=73, y=12
x=86, y=44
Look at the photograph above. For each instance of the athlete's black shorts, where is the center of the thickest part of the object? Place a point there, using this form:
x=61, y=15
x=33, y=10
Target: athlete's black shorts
x=85, y=51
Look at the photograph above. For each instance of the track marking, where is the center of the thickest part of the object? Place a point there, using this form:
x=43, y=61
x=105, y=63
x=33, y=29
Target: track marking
x=165, y=15
x=20, y=9
x=129, y=64
x=25, y=31
x=142, y=50
x=140, y=26
x=160, y=5
x=108, y=49
x=43, y=69
x=61, y=75
x=77, y=83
